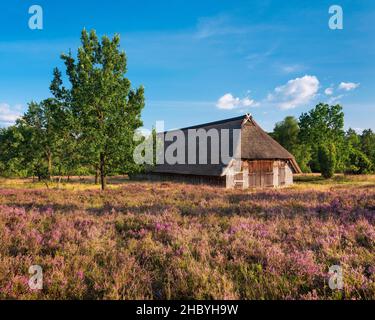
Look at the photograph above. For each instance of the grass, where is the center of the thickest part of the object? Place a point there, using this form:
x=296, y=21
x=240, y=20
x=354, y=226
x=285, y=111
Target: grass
x=339, y=179
x=177, y=241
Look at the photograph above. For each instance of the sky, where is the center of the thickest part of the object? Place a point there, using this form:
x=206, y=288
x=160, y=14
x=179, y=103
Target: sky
x=207, y=60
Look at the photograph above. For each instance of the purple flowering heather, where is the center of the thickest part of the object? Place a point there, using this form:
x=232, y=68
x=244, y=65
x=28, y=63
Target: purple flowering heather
x=175, y=241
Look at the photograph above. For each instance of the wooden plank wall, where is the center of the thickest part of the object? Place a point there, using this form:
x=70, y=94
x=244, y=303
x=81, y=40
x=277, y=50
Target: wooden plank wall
x=180, y=178
x=260, y=173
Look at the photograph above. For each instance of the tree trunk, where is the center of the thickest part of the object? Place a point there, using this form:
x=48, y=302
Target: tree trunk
x=102, y=172
x=49, y=159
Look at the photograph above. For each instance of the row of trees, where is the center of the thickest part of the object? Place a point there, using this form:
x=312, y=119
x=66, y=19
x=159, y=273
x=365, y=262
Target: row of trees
x=320, y=144
x=86, y=127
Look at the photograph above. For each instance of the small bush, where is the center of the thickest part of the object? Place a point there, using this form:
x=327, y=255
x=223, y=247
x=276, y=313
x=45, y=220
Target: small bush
x=359, y=163
x=327, y=160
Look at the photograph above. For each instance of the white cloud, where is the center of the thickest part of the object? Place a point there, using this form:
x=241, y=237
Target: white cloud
x=292, y=68
x=295, y=92
x=218, y=26
x=335, y=99
x=229, y=102
x=9, y=115
x=329, y=91
x=348, y=86
x=247, y=102
x=256, y=58
x=227, y=25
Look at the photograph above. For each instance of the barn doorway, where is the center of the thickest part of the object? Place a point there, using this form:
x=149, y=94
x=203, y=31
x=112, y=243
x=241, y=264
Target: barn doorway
x=260, y=173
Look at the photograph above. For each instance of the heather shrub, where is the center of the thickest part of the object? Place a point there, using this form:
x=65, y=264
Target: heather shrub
x=141, y=241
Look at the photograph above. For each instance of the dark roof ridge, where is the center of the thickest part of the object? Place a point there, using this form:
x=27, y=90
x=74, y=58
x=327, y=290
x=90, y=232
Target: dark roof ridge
x=208, y=124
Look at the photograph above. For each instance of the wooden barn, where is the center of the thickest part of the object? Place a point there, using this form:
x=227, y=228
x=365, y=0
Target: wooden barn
x=255, y=159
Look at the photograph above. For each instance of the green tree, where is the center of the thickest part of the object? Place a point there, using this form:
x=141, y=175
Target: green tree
x=106, y=112
x=368, y=145
x=353, y=139
x=327, y=159
x=358, y=162
x=323, y=125
x=11, y=157
x=302, y=153
x=286, y=133
x=69, y=146
x=40, y=127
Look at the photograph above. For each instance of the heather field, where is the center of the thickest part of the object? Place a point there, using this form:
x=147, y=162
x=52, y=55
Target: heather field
x=141, y=240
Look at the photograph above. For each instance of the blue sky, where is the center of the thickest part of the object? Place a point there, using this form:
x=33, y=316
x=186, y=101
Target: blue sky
x=204, y=60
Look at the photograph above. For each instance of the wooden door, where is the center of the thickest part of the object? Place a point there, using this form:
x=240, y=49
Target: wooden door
x=282, y=174
x=260, y=173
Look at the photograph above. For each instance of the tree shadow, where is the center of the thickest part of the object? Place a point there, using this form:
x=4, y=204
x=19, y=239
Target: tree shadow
x=44, y=207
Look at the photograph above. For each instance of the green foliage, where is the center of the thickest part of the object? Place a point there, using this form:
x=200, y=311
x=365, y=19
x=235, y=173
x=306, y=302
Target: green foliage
x=303, y=157
x=41, y=128
x=327, y=160
x=323, y=124
x=359, y=163
x=353, y=139
x=105, y=110
x=286, y=133
x=11, y=158
x=87, y=126
x=368, y=145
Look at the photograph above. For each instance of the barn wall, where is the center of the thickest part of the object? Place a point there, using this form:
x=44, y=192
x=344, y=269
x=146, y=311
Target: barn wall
x=288, y=175
x=268, y=173
x=276, y=173
x=261, y=173
x=181, y=178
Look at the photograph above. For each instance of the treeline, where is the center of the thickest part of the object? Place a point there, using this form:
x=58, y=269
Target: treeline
x=86, y=127
x=320, y=143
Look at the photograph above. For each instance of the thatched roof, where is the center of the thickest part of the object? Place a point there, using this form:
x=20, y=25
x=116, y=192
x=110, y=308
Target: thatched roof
x=258, y=145
x=255, y=145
